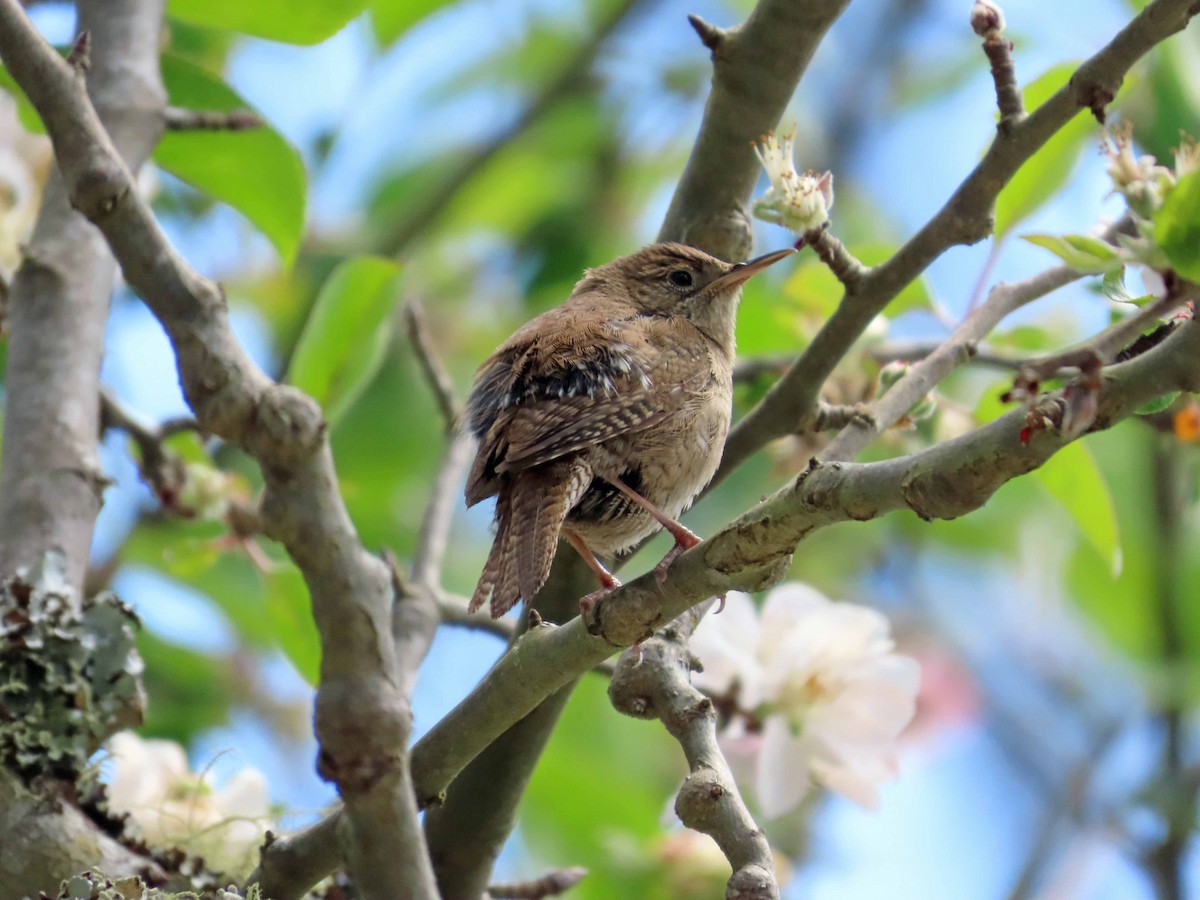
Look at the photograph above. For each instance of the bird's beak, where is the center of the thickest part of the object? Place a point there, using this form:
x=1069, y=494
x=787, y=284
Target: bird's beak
x=743, y=272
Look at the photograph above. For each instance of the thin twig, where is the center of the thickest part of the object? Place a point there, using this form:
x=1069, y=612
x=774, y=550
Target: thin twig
x=454, y=612
x=833, y=253
x=915, y=351
x=1068, y=806
x=161, y=469
x=959, y=347
x=988, y=22
x=431, y=365
x=176, y=118
x=550, y=885
x=434, y=533
x=832, y=417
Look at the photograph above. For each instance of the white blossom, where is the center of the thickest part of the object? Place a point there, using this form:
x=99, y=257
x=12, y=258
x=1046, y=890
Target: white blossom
x=798, y=202
x=1187, y=158
x=175, y=807
x=821, y=695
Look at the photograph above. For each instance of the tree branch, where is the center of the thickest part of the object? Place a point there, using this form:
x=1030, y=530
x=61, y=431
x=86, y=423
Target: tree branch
x=653, y=681
x=431, y=363
x=964, y=219
x=707, y=211
x=953, y=352
x=752, y=553
x=178, y=119
x=51, y=484
x=362, y=718
x=50, y=481
x=756, y=67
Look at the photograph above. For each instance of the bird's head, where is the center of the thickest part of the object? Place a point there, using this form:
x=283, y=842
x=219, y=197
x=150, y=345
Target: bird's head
x=677, y=280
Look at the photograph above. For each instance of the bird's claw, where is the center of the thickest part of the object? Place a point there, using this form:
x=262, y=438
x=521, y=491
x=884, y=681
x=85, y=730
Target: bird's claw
x=588, y=602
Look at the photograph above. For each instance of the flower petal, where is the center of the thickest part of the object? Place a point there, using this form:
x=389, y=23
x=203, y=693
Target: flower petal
x=783, y=765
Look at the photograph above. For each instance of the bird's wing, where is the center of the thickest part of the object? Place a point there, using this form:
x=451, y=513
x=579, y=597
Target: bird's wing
x=537, y=400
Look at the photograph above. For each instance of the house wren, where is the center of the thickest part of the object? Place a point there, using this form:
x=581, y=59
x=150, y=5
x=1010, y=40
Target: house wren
x=602, y=419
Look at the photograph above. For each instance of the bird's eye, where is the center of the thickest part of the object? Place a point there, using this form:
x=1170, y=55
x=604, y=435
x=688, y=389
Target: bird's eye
x=681, y=278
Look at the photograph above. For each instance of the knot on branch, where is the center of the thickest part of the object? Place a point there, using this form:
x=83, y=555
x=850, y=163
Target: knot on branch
x=751, y=882
x=755, y=554
x=100, y=188
x=946, y=491
x=1093, y=96
x=701, y=799
x=288, y=425
x=363, y=726
x=727, y=235
x=638, y=681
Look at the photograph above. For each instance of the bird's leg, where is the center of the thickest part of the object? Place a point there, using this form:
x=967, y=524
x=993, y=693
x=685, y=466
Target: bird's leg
x=685, y=538
x=607, y=580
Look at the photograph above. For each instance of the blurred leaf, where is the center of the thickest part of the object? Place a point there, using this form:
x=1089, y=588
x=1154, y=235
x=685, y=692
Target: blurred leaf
x=1113, y=287
x=26, y=114
x=1044, y=173
x=186, y=691
x=1024, y=338
x=290, y=615
x=553, y=164
x=917, y=84
x=1072, y=478
x=1082, y=253
x=256, y=172
x=585, y=800
x=346, y=335
x=391, y=18
x=1168, y=103
x=523, y=64
x=1177, y=227
x=1158, y=404
x=290, y=21
x=204, y=46
x=190, y=552
x=815, y=288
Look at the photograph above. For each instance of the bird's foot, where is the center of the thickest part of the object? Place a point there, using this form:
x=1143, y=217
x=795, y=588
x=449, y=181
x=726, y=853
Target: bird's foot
x=588, y=602
x=684, y=540
x=720, y=605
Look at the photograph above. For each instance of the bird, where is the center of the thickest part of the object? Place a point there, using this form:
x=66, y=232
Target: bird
x=601, y=420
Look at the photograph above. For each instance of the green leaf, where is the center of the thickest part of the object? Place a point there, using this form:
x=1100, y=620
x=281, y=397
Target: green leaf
x=256, y=172
x=1113, y=286
x=347, y=334
x=1047, y=170
x=817, y=290
x=26, y=114
x=391, y=18
x=191, y=552
x=290, y=615
x=1177, y=227
x=1082, y=253
x=1158, y=404
x=1073, y=478
x=290, y=21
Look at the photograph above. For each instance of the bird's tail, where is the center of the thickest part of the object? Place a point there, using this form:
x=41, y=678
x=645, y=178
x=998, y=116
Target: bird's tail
x=530, y=509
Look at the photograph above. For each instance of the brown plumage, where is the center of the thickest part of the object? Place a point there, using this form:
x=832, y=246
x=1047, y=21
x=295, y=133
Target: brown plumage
x=602, y=419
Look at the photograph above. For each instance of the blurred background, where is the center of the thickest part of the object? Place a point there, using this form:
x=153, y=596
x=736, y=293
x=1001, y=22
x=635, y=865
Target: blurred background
x=494, y=150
